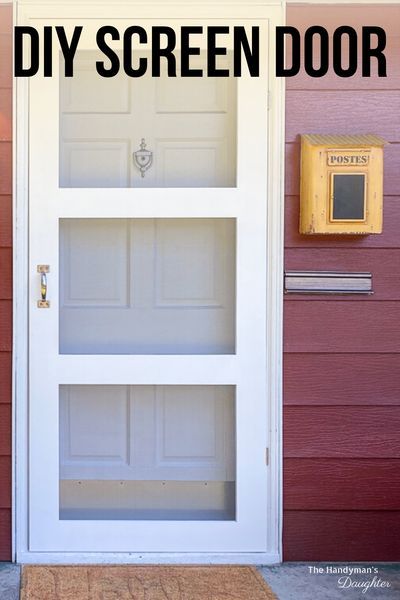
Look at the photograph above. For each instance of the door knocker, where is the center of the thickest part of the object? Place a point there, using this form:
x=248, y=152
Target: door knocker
x=143, y=158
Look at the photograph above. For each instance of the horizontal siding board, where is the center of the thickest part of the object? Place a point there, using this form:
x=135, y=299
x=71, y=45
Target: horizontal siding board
x=389, y=238
x=341, y=379
x=345, y=484
x=292, y=168
x=5, y=221
x=381, y=263
x=5, y=116
x=342, y=326
x=341, y=432
x=5, y=534
x=5, y=325
x=6, y=273
x=334, y=16
x=6, y=17
x=5, y=430
x=331, y=81
x=5, y=61
x=343, y=112
x=332, y=536
x=5, y=482
x=331, y=17
x=391, y=178
x=5, y=377
x=5, y=168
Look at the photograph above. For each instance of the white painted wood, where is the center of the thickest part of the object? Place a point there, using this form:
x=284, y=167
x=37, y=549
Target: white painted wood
x=274, y=201
x=152, y=558
x=190, y=8
x=275, y=269
x=248, y=531
x=378, y=3
x=146, y=369
x=155, y=3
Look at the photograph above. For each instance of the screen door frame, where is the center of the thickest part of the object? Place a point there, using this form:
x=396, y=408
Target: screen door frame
x=272, y=13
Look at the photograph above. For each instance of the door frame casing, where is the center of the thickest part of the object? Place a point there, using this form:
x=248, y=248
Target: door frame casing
x=273, y=10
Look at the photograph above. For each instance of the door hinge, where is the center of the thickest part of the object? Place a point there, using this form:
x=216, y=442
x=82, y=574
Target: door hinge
x=268, y=100
x=267, y=456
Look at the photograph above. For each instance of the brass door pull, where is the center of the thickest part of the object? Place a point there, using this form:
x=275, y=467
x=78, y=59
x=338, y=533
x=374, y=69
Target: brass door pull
x=43, y=270
x=43, y=285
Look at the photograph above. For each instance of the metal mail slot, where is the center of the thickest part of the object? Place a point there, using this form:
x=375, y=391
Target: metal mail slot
x=327, y=282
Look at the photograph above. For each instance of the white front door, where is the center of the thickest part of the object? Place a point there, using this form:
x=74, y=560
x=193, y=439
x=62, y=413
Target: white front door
x=148, y=403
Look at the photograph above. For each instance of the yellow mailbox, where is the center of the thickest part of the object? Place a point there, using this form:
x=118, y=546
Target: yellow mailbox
x=341, y=184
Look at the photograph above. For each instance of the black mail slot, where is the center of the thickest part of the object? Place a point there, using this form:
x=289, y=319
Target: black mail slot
x=348, y=196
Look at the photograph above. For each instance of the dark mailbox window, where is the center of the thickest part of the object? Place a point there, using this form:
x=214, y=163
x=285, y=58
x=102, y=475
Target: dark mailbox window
x=348, y=197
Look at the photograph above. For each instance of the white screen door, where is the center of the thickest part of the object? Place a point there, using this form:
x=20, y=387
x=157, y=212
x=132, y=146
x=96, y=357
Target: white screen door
x=148, y=369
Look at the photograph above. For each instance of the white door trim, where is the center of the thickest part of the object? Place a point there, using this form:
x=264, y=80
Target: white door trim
x=275, y=13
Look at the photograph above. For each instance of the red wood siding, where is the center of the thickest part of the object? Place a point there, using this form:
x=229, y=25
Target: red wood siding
x=386, y=280
x=341, y=110
x=6, y=277
x=338, y=535
x=342, y=354
x=342, y=326
x=341, y=379
x=359, y=432
x=310, y=488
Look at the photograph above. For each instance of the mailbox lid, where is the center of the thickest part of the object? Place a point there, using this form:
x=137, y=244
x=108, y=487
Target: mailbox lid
x=344, y=141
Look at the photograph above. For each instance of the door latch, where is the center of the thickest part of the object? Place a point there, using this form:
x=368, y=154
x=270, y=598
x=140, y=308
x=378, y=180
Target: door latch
x=43, y=270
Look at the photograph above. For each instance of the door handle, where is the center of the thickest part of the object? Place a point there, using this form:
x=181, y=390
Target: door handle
x=43, y=285
x=43, y=270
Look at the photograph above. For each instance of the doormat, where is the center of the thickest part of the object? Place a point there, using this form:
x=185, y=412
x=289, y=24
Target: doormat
x=106, y=582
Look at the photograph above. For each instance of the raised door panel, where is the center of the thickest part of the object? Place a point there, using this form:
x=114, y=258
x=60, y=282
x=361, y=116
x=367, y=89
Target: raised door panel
x=147, y=432
x=147, y=286
x=136, y=452
x=189, y=125
x=94, y=426
x=96, y=117
x=94, y=263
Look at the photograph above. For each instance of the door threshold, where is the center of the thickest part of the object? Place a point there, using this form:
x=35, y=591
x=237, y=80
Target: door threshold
x=150, y=558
